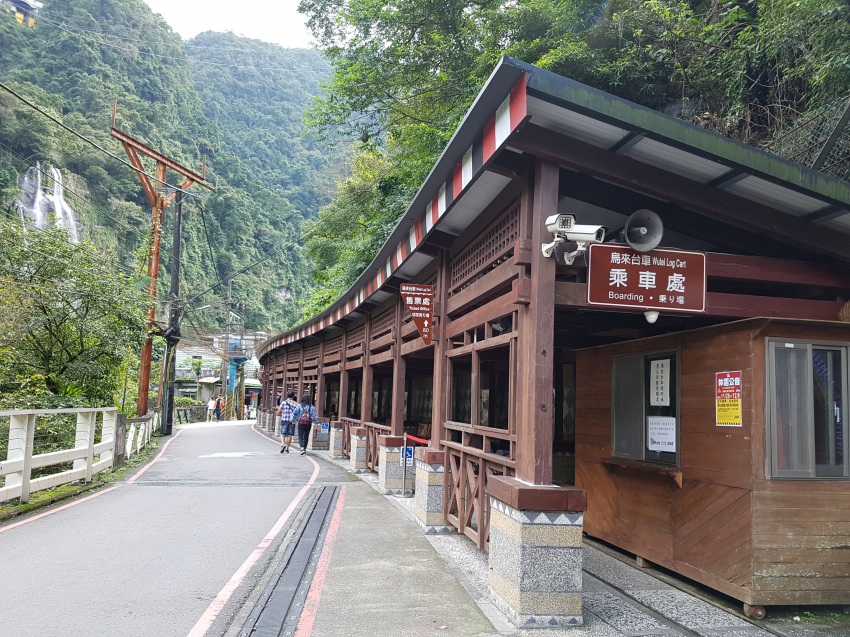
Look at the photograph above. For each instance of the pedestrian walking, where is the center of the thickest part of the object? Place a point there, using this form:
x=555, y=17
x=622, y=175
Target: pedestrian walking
x=287, y=425
x=304, y=416
x=210, y=408
x=219, y=405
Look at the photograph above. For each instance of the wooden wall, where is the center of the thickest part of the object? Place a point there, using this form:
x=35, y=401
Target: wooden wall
x=703, y=528
x=762, y=541
x=801, y=528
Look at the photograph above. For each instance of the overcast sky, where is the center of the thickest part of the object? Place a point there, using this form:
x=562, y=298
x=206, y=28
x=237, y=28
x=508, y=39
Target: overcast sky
x=275, y=21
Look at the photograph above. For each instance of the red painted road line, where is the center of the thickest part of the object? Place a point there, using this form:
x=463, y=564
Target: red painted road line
x=203, y=624
x=158, y=456
x=314, y=595
x=56, y=510
x=94, y=495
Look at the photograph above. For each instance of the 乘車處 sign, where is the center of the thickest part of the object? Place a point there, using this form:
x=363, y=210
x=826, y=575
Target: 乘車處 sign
x=661, y=279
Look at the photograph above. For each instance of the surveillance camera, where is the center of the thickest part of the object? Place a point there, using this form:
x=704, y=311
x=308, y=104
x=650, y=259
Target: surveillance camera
x=586, y=234
x=558, y=225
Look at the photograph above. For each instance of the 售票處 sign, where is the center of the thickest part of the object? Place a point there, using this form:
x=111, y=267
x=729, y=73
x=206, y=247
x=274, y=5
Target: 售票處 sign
x=419, y=300
x=666, y=280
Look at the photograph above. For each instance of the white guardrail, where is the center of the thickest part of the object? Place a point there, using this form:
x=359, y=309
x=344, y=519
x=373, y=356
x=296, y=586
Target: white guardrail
x=87, y=456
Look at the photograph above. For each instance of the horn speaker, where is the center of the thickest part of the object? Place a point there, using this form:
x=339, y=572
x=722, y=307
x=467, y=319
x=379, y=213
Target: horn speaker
x=643, y=230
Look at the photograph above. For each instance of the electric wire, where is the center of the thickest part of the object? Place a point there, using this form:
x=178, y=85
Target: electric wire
x=78, y=196
x=70, y=264
x=94, y=144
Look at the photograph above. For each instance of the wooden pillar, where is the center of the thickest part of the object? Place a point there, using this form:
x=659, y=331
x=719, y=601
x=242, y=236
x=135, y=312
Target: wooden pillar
x=342, y=407
x=320, y=381
x=399, y=375
x=439, y=403
x=299, y=386
x=366, y=389
x=536, y=325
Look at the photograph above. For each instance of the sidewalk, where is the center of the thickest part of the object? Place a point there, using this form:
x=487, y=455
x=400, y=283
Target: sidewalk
x=386, y=578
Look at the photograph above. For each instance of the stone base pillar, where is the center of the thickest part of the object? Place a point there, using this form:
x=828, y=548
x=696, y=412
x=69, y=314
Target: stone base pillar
x=428, y=498
x=536, y=552
x=319, y=435
x=335, y=441
x=393, y=477
x=358, y=450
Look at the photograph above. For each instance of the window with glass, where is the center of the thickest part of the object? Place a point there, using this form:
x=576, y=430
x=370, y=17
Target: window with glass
x=807, y=409
x=461, y=389
x=645, y=418
x=494, y=365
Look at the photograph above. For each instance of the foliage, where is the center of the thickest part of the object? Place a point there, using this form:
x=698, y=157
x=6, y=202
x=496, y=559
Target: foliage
x=236, y=100
x=405, y=74
x=74, y=318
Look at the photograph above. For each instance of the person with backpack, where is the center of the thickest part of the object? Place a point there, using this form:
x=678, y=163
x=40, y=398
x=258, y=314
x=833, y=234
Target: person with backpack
x=287, y=426
x=304, y=416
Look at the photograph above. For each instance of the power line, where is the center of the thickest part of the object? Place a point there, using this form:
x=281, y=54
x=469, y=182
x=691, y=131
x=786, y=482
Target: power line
x=80, y=197
x=240, y=271
x=84, y=138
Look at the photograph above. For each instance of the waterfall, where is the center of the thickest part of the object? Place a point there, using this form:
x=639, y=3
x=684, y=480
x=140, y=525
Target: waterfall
x=65, y=215
x=35, y=207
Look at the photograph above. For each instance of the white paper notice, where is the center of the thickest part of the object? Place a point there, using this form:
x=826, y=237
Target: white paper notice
x=661, y=433
x=659, y=383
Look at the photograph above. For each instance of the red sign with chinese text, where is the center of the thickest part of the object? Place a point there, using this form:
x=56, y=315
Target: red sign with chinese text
x=729, y=388
x=661, y=279
x=419, y=300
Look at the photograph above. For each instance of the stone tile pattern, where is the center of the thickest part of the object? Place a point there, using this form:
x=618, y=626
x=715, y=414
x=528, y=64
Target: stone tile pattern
x=318, y=439
x=358, y=454
x=335, y=443
x=391, y=472
x=535, y=566
x=428, y=499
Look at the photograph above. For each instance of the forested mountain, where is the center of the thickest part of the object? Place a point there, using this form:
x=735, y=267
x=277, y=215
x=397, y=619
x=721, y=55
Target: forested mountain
x=235, y=100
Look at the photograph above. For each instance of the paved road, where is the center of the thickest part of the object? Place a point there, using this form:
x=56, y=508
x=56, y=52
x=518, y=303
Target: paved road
x=147, y=557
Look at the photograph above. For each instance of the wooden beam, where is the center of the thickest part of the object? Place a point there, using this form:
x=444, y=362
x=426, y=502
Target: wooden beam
x=748, y=268
x=601, y=193
x=657, y=182
x=574, y=295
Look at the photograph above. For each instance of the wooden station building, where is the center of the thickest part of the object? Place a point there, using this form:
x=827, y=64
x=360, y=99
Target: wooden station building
x=697, y=391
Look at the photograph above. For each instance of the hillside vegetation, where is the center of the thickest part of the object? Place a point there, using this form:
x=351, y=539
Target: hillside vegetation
x=235, y=100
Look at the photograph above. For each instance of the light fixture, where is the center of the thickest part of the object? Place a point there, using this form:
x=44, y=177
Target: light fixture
x=651, y=316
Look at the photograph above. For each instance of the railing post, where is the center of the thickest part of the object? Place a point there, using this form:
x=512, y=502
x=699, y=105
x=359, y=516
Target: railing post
x=85, y=439
x=107, y=434
x=21, y=431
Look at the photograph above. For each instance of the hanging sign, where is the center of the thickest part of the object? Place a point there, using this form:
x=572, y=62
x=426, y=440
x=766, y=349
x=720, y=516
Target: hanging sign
x=419, y=300
x=667, y=280
x=729, y=395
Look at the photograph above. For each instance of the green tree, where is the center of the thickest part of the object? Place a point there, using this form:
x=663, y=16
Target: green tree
x=69, y=317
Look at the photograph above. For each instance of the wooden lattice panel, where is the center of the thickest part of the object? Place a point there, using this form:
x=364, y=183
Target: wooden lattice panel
x=486, y=250
x=383, y=323
x=333, y=345
x=311, y=353
x=356, y=336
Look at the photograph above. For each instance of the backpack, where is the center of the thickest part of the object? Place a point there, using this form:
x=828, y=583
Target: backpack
x=305, y=418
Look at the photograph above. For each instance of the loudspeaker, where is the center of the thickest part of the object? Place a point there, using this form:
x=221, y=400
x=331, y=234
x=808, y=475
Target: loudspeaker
x=643, y=230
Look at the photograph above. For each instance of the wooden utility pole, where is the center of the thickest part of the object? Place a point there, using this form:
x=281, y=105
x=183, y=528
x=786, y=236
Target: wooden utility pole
x=159, y=200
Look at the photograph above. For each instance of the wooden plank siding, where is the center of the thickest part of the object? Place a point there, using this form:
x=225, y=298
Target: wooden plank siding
x=762, y=541
x=702, y=529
